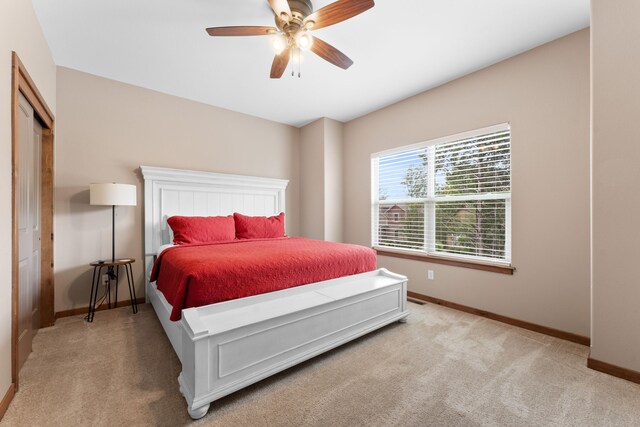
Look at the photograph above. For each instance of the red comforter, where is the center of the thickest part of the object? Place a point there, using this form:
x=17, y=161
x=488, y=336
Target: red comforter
x=197, y=275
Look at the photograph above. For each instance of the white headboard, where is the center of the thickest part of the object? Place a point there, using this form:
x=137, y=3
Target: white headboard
x=169, y=192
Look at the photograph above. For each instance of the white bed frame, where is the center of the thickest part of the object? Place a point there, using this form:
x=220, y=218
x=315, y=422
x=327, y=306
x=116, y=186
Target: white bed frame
x=226, y=346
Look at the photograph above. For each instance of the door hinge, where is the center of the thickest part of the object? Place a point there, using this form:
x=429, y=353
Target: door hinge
x=51, y=236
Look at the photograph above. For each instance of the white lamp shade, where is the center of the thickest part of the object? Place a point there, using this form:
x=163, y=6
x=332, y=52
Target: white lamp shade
x=112, y=194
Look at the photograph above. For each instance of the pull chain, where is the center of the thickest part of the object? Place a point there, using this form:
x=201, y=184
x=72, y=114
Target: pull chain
x=294, y=55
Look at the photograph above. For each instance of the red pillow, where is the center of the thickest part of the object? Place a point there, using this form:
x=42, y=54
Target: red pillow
x=259, y=227
x=202, y=229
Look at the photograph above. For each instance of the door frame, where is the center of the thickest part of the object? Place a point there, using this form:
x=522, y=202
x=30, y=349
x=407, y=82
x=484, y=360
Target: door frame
x=21, y=82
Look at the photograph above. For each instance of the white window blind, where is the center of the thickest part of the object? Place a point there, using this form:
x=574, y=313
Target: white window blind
x=451, y=196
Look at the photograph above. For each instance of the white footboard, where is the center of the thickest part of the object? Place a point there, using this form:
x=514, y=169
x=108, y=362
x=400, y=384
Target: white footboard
x=229, y=345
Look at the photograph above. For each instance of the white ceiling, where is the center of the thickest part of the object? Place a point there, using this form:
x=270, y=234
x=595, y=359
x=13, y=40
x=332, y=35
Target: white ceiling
x=399, y=48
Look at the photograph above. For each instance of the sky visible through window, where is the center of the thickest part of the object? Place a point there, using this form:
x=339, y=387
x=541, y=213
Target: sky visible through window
x=394, y=167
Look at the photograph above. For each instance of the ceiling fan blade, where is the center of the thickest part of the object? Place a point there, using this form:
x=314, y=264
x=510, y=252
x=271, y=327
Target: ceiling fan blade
x=280, y=8
x=337, y=12
x=280, y=63
x=241, y=31
x=329, y=53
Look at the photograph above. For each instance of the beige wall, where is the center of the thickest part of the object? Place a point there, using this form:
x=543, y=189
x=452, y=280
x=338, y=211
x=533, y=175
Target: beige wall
x=321, y=147
x=19, y=32
x=312, y=180
x=333, y=180
x=616, y=179
x=544, y=94
x=106, y=130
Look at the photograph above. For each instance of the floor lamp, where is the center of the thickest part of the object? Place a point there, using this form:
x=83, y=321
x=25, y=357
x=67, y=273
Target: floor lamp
x=112, y=194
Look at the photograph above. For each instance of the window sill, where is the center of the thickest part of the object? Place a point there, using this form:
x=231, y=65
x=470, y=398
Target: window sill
x=485, y=266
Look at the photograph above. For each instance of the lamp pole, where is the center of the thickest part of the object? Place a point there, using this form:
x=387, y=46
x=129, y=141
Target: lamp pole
x=113, y=233
x=111, y=271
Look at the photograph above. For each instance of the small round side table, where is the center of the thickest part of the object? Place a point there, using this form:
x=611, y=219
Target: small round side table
x=113, y=271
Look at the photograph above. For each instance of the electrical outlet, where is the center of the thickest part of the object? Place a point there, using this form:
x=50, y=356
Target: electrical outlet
x=430, y=275
x=105, y=279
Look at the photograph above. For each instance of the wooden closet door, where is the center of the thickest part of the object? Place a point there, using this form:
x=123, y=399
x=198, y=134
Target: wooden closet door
x=29, y=157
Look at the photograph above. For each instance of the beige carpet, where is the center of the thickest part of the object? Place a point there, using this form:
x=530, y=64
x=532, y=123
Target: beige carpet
x=442, y=368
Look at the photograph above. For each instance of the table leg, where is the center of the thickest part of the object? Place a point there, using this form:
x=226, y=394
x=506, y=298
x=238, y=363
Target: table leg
x=94, y=296
x=132, y=288
x=110, y=273
x=93, y=282
x=115, y=305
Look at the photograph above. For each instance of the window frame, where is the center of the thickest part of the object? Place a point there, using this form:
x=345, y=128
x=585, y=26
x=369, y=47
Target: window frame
x=430, y=253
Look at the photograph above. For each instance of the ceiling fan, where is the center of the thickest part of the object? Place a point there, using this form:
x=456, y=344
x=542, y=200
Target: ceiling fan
x=294, y=20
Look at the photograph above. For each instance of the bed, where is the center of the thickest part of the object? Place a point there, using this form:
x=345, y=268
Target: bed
x=227, y=344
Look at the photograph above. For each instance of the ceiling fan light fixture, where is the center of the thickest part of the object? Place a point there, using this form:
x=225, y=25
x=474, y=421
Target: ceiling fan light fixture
x=279, y=43
x=285, y=16
x=304, y=40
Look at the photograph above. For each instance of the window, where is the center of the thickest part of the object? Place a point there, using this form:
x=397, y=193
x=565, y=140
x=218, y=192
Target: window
x=454, y=194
